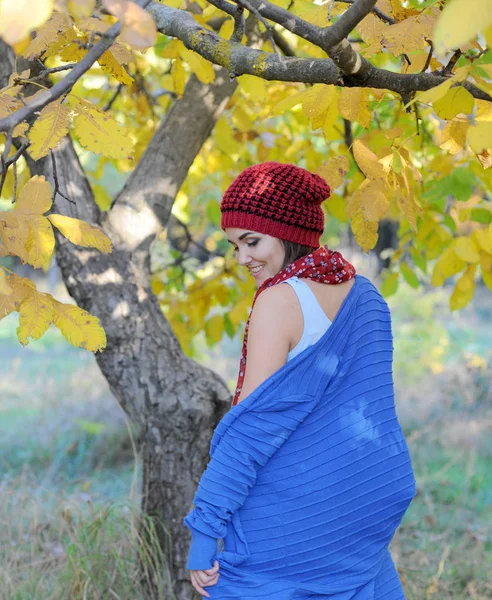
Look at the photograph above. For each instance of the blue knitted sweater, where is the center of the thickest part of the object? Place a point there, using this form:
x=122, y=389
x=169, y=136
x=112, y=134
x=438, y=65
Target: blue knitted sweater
x=309, y=476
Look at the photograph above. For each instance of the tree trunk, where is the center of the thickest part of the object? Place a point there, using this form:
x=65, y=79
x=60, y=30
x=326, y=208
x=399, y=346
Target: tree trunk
x=174, y=402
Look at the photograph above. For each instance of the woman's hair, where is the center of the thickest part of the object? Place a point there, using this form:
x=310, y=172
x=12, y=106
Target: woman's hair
x=294, y=251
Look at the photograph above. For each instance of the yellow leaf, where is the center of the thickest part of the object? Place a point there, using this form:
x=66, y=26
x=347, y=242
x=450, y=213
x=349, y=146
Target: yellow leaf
x=479, y=136
x=40, y=242
x=121, y=53
x=35, y=316
x=484, y=110
x=334, y=171
x=81, y=8
x=138, y=28
x=19, y=17
x=82, y=233
x=80, y=328
x=13, y=235
x=372, y=199
x=441, y=90
x=459, y=22
x=288, y=102
x=447, y=265
x=214, y=327
x=240, y=311
x=20, y=287
x=224, y=138
x=49, y=129
x=337, y=207
x=110, y=64
x=352, y=104
x=179, y=77
x=46, y=35
x=410, y=34
x=365, y=232
x=464, y=289
x=98, y=132
x=202, y=68
x=371, y=29
x=485, y=265
x=67, y=36
x=456, y=100
x=35, y=197
x=312, y=13
x=483, y=238
x=5, y=289
x=317, y=99
x=454, y=135
x=172, y=49
x=487, y=279
x=466, y=249
x=74, y=50
x=368, y=162
x=254, y=87
x=92, y=24
x=241, y=118
x=101, y=196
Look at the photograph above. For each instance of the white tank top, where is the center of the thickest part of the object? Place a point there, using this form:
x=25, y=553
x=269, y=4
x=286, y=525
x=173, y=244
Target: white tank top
x=315, y=321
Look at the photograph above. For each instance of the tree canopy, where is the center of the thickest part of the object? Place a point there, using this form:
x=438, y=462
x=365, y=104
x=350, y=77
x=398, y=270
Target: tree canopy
x=389, y=102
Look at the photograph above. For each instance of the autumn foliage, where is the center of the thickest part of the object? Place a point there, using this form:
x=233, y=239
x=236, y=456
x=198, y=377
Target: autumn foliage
x=397, y=117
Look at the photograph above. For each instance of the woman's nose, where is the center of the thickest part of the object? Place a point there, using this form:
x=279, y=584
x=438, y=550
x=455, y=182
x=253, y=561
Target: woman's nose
x=243, y=257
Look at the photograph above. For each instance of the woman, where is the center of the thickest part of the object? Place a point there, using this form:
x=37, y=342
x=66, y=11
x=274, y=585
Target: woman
x=309, y=474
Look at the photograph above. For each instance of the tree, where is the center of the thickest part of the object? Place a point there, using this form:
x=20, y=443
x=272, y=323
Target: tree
x=344, y=88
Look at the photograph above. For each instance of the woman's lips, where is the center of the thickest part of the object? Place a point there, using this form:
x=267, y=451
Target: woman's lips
x=256, y=273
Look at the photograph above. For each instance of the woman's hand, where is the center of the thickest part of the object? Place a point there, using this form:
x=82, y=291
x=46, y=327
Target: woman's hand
x=205, y=578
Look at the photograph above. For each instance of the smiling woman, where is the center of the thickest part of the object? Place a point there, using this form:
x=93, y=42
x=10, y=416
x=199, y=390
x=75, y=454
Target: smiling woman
x=309, y=473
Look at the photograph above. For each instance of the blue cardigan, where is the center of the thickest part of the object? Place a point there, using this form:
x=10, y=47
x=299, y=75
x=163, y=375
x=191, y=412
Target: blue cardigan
x=309, y=476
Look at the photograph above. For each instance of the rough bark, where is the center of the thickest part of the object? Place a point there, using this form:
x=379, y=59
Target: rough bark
x=174, y=402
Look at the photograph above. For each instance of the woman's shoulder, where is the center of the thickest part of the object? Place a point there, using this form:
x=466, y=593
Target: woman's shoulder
x=277, y=296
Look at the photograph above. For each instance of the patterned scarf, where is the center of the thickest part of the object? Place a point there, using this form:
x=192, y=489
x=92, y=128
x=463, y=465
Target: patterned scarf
x=322, y=265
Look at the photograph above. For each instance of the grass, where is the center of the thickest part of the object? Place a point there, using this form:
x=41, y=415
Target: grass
x=70, y=478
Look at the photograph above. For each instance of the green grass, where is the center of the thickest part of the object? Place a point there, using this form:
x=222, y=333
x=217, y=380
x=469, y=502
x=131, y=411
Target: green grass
x=70, y=478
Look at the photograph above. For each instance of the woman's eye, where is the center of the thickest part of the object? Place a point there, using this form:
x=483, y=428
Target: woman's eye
x=253, y=243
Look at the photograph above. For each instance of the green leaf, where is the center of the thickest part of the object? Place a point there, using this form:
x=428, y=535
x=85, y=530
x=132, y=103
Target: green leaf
x=389, y=285
x=419, y=259
x=481, y=215
x=229, y=327
x=213, y=212
x=409, y=276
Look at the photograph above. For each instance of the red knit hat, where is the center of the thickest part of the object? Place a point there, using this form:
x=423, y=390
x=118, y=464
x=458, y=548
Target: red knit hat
x=280, y=200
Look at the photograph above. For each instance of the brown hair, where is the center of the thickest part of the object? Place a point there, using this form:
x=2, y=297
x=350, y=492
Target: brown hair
x=294, y=251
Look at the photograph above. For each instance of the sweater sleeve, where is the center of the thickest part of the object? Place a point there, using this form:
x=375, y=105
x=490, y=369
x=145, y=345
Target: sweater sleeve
x=244, y=448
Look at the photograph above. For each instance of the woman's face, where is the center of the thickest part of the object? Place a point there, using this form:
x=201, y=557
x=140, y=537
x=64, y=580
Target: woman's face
x=262, y=254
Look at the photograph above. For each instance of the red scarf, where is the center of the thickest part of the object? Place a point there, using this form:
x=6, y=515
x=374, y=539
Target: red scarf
x=322, y=265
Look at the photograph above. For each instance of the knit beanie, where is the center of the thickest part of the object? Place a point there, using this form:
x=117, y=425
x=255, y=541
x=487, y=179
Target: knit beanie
x=277, y=199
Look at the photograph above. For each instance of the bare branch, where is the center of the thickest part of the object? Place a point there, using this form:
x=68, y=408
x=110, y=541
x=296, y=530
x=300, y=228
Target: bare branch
x=45, y=72
x=56, y=187
x=452, y=62
x=66, y=84
x=115, y=95
x=269, y=28
x=243, y=60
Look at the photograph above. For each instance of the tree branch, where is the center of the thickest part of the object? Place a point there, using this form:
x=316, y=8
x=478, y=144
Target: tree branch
x=359, y=9
x=66, y=84
x=243, y=60
x=383, y=16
